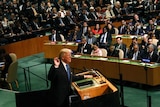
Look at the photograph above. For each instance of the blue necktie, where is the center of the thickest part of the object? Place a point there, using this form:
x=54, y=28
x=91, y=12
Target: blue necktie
x=68, y=71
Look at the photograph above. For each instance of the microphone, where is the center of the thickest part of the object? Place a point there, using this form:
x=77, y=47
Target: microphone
x=85, y=69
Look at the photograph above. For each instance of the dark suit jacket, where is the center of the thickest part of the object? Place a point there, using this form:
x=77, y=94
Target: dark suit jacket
x=92, y=17
x=139, y=56
x=8, y=61
x=153, y=58
x=122, y=46
x=108, y=39
x=86, y=50
x=123, y=31
x=57, y=23
x=78, y=35
x=115, y=53
x=60, y=85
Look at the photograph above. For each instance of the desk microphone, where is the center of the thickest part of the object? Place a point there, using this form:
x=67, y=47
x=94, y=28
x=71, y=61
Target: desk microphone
x=85, y=69
x=99, y=76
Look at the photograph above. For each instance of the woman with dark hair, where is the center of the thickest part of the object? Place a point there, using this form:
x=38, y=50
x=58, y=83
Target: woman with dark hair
x=4, y=57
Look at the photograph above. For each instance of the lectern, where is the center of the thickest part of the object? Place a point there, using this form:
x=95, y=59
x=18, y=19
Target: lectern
x=95, y=92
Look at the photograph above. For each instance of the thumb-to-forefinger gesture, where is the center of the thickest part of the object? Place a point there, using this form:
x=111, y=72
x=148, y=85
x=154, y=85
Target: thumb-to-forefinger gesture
x=56, y=62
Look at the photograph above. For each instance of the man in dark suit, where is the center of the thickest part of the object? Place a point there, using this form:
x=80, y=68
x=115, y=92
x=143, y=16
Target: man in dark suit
x=55, y=36
x=112, y=51
x=92, y=15
x=83, y=47
x=151, y=54
x=75, y=35
x=135, y=54
x=69, y=21
x=91, y=39
x=105, y=39
x=60, y=23
x=120, y=45
x=61, y=78
x=123, y=27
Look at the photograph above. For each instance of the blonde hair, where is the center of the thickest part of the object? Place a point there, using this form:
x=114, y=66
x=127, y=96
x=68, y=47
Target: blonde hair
x=63, y=52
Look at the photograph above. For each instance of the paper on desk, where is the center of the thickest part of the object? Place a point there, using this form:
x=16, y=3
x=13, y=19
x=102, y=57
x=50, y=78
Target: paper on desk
x=76, y=56
x=125, y=61
x=70, y=43
x=147, y=64
x=103, y=59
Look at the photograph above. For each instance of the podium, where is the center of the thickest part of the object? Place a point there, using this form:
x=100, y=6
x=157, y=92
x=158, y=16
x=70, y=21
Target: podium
x=90, y=88
x=95, y=92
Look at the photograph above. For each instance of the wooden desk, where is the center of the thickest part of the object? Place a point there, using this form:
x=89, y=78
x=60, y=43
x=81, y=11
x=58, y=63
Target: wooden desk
x=52, y=50
x=26, y=47
x=131, y=71
x=99, y=86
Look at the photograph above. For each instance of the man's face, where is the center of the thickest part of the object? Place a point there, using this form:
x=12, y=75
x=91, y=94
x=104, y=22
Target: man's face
x=67, y=57
x=118, y=40
x=135, y=48
x=150, y=41
x=83, y=41
x=112, y=48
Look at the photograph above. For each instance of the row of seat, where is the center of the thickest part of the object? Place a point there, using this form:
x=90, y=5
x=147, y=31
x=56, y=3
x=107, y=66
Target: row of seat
x=104, y=53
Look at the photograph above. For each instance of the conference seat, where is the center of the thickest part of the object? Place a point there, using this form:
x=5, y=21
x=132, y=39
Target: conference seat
x=155, y=41
x=121, y=54
x=12, y=72
x=116, y=31
x=62, y=38
x=104, y=52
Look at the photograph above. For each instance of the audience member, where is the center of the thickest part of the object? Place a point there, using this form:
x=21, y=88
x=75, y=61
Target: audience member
x=120, y=45
x=55, y=36
x=83, y=47
x=135, y=53
x=151, y=54
x=96, y=51
x=97, y=30
x=112, y=51
x=123, y=27
x=5, y=57
x=91, y=39
x=76, y=34
x=109, y=13
x=105, y=39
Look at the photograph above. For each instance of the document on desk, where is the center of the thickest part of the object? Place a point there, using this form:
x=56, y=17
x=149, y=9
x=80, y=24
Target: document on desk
x=126, y=61
x=147, y=64
x=104, y=59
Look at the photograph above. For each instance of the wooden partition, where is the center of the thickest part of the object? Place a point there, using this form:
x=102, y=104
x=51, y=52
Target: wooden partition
x=131, y=71
x=26, y=47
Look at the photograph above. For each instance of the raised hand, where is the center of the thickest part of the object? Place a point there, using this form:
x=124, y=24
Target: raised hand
x=56, y=62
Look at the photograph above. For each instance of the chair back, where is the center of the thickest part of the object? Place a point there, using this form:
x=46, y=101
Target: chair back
x=104, y=52
x=155, y=41
x=116, y=31
x=12, y=72
x=13, y=56
x=62, y=38
x=121, y=54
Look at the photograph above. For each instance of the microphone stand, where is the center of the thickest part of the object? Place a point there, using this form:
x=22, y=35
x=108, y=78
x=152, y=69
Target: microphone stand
x=148, y=96
x=121, y=85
